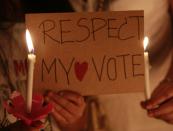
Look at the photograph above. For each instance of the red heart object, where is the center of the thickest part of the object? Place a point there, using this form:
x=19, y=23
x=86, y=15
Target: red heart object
x=80, y=70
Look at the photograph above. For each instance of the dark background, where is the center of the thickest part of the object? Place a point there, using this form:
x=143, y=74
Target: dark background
x=15, y=10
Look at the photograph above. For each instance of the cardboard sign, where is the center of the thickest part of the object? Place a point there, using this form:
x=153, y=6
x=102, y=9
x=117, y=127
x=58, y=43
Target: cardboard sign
x=91, y=53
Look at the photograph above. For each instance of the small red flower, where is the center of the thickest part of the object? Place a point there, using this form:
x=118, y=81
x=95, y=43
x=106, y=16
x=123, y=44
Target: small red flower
x=17, y=106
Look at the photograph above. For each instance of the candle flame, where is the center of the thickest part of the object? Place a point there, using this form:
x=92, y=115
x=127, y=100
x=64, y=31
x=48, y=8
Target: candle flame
x=29, y=41
x=145, y=42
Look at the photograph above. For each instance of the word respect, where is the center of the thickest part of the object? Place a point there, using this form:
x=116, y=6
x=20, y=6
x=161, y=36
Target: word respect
x=62, y=31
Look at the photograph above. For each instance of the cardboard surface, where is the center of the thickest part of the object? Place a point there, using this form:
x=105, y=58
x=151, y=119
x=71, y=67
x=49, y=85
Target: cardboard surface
x=91, y=53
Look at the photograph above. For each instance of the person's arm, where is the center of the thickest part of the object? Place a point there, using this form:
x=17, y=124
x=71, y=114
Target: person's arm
x=68, y=111
x=160, y=105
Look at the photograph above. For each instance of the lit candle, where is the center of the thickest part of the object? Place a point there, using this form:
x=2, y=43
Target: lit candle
x=31, y=62
x=146, y=61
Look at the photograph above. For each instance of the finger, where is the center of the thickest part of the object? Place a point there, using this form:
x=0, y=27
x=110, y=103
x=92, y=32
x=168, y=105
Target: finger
x=63, y=103
x=166, y=117
x=165, y=108
x=59, y=118
x=78, y=103
x=59, y=110
x=72, y=108
x=156, y=93
x=144, y=105
x=72, y=96
x=55, y=105
x=159, y=89
x=160, y=98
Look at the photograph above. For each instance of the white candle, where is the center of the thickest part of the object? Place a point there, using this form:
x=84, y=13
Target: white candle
x=31, y=62
x=146, y=62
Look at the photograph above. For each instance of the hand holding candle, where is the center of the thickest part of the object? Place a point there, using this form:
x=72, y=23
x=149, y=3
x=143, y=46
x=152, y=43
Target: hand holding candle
x=146, y=61
x=31, y=62
x=159, y=106
x=16, y=104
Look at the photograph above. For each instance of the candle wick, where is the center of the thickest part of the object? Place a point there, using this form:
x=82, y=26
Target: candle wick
x=32, y=51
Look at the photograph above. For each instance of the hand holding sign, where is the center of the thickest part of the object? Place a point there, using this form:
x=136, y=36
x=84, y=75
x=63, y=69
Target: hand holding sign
x=68, y=110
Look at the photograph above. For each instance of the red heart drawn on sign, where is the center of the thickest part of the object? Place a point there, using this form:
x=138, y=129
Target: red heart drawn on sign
x=80, y=70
